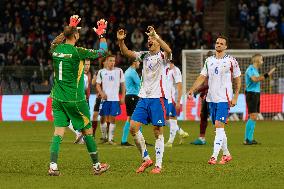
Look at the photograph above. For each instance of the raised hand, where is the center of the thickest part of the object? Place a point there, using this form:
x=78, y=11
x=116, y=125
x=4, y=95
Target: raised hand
x=101, y=30
x=120, y=34
x=74, y=20
x=152, y=32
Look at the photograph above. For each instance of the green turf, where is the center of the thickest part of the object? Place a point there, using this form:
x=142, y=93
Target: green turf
x=24, y=160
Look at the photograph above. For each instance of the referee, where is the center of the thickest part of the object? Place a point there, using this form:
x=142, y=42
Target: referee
x=132, y=83
x=253, y=79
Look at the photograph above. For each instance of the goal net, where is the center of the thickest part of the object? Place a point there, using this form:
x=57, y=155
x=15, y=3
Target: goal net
x=272, y=89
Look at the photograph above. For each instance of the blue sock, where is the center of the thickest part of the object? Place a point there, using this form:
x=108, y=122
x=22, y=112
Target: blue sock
x=248, y=127
x=125, y=132
x=250, y=135
x=140, y=129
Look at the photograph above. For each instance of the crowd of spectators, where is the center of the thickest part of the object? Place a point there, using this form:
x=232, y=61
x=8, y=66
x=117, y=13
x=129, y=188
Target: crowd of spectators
x=28, y=27
x=262, y=23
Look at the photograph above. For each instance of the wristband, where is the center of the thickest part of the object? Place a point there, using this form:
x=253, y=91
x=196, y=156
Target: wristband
x=266, y=75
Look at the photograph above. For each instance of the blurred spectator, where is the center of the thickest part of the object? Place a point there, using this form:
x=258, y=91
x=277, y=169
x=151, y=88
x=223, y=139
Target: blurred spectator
x=28, y=27
x=267, y=20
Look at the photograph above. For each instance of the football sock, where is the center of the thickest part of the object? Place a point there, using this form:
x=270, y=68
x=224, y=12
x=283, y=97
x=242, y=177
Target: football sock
x=203, y=125
x=218, y=142
x=173, y=130
x=94, y=126
x=159, y=148
x=111, y=131
x=73, y=130
x=92, y=148
x=225, y=145
x=125, y=132
x=54, y=148
x=140, y=144
x=251, y=132
x=104, y=130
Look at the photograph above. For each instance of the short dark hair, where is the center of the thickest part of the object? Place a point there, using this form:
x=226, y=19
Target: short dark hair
x=223, y=37
x=69, y=31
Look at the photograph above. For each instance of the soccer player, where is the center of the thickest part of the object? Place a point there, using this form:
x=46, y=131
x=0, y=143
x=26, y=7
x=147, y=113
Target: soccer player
x=253, y=79
x=132, y=83
x=109, y=81
x=97, y=103
x=204, y=113
x=151, y=105
x=174, y=85
x=221, y=69
x=68, y=98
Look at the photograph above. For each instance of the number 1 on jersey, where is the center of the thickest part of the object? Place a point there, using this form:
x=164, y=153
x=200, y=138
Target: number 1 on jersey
x=60, y=70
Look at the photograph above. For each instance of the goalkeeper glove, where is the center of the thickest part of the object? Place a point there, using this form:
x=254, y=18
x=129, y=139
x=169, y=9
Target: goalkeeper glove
x=101, y=30
x=74, y=20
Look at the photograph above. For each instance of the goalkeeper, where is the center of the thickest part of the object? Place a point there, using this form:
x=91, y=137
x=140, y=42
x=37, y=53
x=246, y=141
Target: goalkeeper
x=68, y=98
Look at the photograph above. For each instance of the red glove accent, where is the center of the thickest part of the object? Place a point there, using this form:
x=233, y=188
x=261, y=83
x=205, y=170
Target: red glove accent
x=102, y=25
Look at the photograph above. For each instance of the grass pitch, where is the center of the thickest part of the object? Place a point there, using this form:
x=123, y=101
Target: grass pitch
x=24, y=160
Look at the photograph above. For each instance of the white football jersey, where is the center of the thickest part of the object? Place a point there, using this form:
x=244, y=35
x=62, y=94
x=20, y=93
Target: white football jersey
x=174, y=78
x=110, y=80
x=152, y=85
x=86, y=81
x=220, y=74
x=165, y=80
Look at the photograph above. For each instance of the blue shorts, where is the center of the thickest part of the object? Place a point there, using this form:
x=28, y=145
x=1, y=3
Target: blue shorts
x=110, y=108
x=219, y=111
x=150, y=110
x=171, y=110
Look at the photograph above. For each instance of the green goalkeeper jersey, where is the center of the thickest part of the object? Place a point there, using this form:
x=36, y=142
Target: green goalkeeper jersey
x=68, y=68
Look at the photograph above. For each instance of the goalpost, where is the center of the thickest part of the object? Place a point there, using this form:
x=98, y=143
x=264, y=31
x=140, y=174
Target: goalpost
x=272, y=89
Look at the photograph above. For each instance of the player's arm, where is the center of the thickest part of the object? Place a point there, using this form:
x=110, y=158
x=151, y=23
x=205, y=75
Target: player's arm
x=103, y=48
x=123, y=48
x=263, y=77
x=94, y=79
x=199, y=81
x=122, y=85
x=179, y=93
x=237, y=82
x=163, y=44
x=99, y=87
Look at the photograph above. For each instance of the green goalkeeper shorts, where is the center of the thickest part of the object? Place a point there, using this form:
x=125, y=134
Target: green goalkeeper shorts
x=77, y=112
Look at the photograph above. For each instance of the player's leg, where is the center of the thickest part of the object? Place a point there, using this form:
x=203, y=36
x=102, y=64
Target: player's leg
x=80, y=115
x=158, y=115
x=95, y=115
x=140, y=116
x=221, y=111
x=203, y=124
x=104, y=113
x=253, y=107
x=114, y=111
x=98, y=167
x=79, y=136
x=130, y=103
x=60, y=122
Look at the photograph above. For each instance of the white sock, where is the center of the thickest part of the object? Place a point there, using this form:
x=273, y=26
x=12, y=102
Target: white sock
x=225, y=146
x=173, y=130
x=104, y=130
x=218, y=142
x=111, y=131
x=140, y=143
x=53, y=166
x=73, y=130
x=159, y=147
